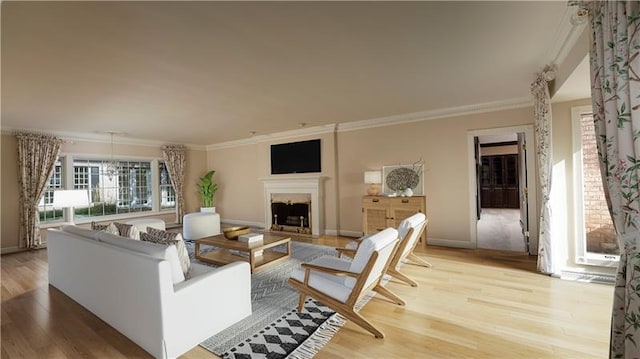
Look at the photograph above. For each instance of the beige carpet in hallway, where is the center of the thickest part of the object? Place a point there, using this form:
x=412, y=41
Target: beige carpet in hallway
x=499, y=228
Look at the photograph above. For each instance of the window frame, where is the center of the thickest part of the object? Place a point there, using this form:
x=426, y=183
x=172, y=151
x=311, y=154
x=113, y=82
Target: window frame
x=68, y=182
x=171, y=192
x=581, y=255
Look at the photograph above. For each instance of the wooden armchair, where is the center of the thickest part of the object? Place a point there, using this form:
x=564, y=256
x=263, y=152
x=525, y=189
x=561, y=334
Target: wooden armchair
x=409, y=231
x=339, y=283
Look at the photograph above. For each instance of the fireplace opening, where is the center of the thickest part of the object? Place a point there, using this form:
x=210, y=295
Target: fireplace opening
x=291, y=216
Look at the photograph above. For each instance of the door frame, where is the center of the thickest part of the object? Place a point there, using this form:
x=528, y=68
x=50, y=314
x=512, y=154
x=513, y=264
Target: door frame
x=531, y=181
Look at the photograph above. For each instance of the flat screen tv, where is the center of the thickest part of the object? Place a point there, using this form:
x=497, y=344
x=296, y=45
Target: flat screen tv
x=296, y=157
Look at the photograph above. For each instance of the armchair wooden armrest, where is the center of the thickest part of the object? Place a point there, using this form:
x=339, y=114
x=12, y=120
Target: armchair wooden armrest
x=309, y=266
x=347, y=251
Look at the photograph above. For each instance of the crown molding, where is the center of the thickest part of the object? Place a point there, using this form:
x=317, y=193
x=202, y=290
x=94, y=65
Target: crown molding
x=382, y=121
x=316, y=130
x=99, y=138
x=566, y=37
x=437, y=114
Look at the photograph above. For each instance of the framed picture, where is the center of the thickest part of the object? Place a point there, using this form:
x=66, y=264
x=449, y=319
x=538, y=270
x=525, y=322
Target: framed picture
x=396, y=179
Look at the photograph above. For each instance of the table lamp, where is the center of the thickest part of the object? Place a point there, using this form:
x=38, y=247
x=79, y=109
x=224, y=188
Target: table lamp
x=373, y=179
x=69, y=199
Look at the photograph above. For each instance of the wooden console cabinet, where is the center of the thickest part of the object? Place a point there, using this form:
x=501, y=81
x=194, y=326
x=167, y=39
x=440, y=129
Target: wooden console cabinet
x=380, y=212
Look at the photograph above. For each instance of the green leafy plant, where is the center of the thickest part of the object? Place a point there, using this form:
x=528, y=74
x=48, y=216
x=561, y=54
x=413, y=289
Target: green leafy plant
x=207, y=189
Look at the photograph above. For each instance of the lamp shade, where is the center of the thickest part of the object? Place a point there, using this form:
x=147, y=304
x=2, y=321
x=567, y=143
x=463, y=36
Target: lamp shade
x=373, y=177
x=70, y=198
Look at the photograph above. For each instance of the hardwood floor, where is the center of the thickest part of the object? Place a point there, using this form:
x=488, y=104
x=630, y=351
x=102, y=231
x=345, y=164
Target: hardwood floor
x=470, y=304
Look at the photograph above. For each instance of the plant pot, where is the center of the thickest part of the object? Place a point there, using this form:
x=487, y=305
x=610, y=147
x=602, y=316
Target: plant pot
x=208, y=209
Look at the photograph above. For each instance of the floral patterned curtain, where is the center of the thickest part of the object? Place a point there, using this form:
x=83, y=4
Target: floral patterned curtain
x=174, y=159
x=37, y=156
x=615, y=92
x=542, y=118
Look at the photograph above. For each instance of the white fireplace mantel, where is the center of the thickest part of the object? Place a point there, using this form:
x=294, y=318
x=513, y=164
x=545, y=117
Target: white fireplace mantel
x=307, y=184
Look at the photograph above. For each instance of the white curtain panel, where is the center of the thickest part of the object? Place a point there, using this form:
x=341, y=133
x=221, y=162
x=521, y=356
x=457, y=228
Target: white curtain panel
x=174, y=159
x=37, y=156
x=615, y=92
x=542, y=125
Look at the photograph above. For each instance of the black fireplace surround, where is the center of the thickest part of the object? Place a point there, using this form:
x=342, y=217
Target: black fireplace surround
x=290, y=217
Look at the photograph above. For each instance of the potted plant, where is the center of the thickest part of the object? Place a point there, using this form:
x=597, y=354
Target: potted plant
x=207, y=190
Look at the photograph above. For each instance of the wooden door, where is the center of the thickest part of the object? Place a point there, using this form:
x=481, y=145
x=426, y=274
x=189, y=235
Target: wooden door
x=499, y=181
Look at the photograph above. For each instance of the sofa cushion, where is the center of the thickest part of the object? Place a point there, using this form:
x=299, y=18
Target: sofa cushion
x=109, y=228
x=183, y=254
x=160, y=251
x=143, y=223
x=128, y=230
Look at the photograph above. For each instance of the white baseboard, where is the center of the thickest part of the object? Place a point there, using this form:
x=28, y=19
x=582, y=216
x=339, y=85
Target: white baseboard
x=355, y=234
x=328, y=232
x=238, y=222
x=335, y=232
x=450, y=243
x=8, y=250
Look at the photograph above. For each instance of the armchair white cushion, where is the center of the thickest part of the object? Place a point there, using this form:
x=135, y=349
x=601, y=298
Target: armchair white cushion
x=340, y=283
x=417, y=222
x=409, y=231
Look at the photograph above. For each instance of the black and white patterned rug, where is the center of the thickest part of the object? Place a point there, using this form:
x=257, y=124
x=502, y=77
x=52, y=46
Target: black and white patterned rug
x=275, y=329
x=294, y=334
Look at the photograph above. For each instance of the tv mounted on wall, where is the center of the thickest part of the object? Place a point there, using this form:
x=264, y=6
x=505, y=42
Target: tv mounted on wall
x=296, y=157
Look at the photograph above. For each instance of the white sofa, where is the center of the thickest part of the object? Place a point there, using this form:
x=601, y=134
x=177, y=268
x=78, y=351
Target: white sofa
x=136, y=288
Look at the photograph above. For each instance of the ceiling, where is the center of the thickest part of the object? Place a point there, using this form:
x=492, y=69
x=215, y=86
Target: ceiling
x=209, y=72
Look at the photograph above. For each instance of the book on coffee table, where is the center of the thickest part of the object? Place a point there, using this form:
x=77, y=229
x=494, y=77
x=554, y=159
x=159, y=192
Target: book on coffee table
x=251, y=238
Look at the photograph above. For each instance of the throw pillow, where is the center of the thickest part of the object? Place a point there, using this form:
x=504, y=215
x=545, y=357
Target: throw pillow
x=183, y=254
x=109, y=228
x=154, y=239
x=128, y=230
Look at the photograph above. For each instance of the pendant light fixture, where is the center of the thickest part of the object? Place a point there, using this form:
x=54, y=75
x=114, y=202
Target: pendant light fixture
x=111, y=167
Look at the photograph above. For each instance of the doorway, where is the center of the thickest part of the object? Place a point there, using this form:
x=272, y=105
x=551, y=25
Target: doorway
x=503, y=194
x=499, y=222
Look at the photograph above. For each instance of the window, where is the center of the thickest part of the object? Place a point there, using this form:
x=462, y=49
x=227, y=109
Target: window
x=45, y=207
x=134, y=186
x=139, y=186
x=167, y=192
x=597, y=242
x=129, y=191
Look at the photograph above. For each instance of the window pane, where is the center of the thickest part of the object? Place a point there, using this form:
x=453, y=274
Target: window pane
x=598, y=227
x=167, y=192
x=46, y=211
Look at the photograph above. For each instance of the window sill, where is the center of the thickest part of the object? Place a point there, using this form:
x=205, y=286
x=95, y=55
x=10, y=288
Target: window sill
x=85, y=220
x=600, y=260
x=114, y=217
x=56, y=224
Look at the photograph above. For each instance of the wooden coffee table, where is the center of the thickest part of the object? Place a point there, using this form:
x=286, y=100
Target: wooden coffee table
x=223, y=255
